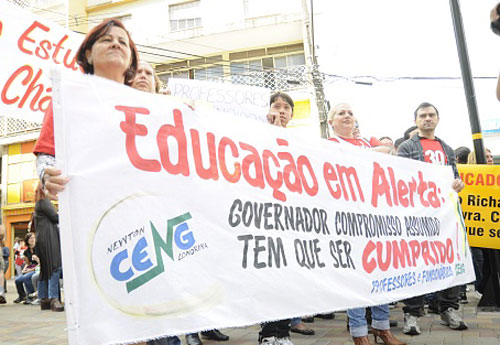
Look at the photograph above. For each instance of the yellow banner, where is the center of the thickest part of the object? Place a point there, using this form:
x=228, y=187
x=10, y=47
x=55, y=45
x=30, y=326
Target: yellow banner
x=480, y=202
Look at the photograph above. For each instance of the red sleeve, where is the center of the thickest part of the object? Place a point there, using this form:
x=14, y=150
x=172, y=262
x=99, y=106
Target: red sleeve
x=45, y=142
x=374, y=142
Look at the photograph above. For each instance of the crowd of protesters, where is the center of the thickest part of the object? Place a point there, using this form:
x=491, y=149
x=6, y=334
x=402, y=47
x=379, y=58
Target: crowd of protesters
x=109, y=52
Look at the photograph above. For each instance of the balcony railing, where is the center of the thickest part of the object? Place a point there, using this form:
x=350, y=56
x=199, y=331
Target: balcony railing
x=10, y=127
x=283, y=79
x=20, y=3
x=37, y=4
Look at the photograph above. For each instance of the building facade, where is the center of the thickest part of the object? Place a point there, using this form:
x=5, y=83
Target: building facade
x=250, y=42
x=18, y=177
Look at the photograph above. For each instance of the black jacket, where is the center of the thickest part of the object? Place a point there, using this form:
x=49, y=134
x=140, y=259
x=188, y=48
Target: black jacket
x=48, y=243
x=412, y=148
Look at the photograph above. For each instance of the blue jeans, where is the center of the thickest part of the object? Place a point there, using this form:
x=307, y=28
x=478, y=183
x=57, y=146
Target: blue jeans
x=52, y=285
x=26, y=280
x=357, y=320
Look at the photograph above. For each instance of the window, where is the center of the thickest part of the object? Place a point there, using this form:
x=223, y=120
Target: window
x=244, y=67
x=126, y=19
x=164, y=77
x=185, y=16
x=181, y=74
x=209, y=73
x=273, y=72
x=290, y=60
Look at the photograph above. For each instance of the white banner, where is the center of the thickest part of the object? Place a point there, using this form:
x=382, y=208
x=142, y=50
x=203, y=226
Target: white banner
x=30, y=46
x=177, y=220
x=245, y=101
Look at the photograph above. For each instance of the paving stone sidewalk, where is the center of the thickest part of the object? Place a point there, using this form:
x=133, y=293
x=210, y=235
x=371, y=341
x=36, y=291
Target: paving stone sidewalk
x=28, y=325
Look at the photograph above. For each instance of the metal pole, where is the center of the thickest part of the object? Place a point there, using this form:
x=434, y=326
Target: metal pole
x=470, y=94
x=313, y=48
x=315, y=75
x=491, y=296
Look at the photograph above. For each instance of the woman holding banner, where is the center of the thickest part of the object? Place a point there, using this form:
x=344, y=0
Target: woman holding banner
x=107, y=51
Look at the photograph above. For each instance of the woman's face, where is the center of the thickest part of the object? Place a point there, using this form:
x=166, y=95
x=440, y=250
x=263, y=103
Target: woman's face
x=489, y=158
x=343, y=121
x=31, y=241
x=110, y=54
x=144, y=78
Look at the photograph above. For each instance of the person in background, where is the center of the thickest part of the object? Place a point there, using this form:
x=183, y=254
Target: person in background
x=48, y=250
x=5, y=257
x=462, y=154
x=471, y=159
x=398, y=142
x=479, y=257
x=426, y=147
x=410, y=132
x=19, y=248
x=2, y=263
x=278, y=332
x=31, y=259
x=35, y=278
x=387, y=141
x=343, y=123
x=145, y=78
x=343, y=120
x=489, y=157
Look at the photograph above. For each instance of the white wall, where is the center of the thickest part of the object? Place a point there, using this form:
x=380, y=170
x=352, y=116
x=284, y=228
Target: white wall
x=396, y=38
x=150, y=18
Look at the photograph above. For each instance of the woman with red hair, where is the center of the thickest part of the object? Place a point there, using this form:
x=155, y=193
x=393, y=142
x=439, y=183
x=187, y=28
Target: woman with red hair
x=107, y=51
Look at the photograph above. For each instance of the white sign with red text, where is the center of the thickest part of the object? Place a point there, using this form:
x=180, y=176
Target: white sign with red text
x=178, y=220
x=30, y=46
